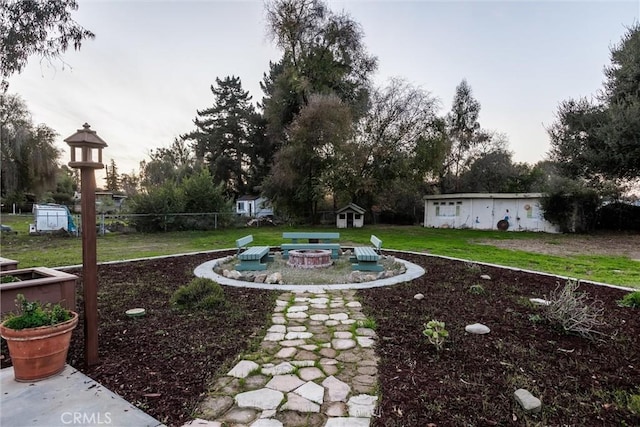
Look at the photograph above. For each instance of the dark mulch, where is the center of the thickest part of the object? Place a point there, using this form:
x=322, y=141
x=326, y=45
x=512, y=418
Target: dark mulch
x=471, y=382
x=162, y=362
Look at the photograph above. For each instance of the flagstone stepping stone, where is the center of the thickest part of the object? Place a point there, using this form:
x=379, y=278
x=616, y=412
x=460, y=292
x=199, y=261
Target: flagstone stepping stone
x=268, y=413
x=303, y=363
x=274, y=336
x=336, y=304
x=298, y=403
x=477, y=328
x=339, y=316
x=292, y=343
x=321, y=317
x=362, y=405
x=336, y=409
x=365, y=341
x=301, y=299
x=295, y=308
x=298, y=335
x=267, y=422
x=327, y=361
x=319, y=306
x=297, y=315
x=215, y=406
x=343, y=344
x=330, y=369
x=281, y=303
x=327, y=352
x=306, y=355
x=364, y=379
x=354, y=304
x=285, y=383
x=310, y=374
x=318, y=300
x=366, y=332
x=278, y=320
x=265, y=398
x=343, y=335
x=286, y=353
x=367, y=370
x=277, y=328
x=311, y=391
x=240, y=415
x=199, y=422
x=242, y=369
x=296, y=328
x=331, y=323
x=348, y=322
x=347, y=422
x=337, y=391
x=348, y=357
x=280, y=369
x=309, y=347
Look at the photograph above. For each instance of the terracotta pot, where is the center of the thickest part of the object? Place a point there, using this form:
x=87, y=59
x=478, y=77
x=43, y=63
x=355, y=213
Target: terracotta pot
x=39, y=353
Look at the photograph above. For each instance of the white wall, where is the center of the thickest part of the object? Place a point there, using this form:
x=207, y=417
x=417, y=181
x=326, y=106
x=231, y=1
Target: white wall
x=484, y=213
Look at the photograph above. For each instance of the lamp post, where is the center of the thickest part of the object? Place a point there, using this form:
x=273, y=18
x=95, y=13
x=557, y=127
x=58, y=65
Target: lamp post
x=86, y=155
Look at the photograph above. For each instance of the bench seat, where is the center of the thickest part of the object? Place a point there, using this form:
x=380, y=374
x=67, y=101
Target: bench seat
x=333, y=247
x=252, y=258
x=366, y=258
x=295, y=236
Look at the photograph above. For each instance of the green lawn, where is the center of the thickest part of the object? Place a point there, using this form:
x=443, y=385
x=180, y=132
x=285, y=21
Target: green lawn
x=54, y=251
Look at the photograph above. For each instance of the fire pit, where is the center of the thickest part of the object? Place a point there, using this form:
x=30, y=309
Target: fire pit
x=309, y=258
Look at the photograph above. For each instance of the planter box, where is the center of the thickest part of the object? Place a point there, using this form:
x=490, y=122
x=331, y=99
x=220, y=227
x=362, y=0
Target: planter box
x=38, y=284
x=7, y=264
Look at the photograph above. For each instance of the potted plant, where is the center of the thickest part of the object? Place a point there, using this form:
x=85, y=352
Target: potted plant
x=38, y=338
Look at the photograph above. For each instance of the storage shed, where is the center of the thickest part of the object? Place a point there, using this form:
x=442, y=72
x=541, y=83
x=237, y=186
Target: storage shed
x=253, y=206
x=51, y=217
x=487, y=211
x=350, y=216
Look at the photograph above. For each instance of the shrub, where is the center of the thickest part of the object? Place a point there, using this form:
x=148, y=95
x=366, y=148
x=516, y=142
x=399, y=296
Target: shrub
x=572, y=312
x=436, y=333
x=477, y=289
x=32, y=314
x=199, y=294
x=630, y=300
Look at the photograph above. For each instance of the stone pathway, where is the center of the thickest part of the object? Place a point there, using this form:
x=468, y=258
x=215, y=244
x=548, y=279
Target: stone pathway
x=316, y=367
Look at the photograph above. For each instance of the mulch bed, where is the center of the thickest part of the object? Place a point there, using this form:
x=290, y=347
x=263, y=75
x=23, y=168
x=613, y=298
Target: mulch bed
x=163, y=361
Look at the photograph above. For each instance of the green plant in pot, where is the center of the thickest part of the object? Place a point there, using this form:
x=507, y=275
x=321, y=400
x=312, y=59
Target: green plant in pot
x=38, y=338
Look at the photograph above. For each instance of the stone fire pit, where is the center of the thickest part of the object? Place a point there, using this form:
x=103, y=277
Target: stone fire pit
x=309, y=258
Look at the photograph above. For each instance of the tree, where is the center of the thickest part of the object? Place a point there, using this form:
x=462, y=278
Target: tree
x=29, y=156
x=223, y=137
x=464, y=134
x=301, y=175
x=29, y=27
x=599, y=139
x=112, y=177
x=173, y=163
x=130, y=183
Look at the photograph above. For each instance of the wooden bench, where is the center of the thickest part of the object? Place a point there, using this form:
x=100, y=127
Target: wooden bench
x=252, y=258
x=366, y=258
x=314, y=240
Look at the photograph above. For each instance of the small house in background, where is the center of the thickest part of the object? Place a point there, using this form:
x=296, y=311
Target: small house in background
x=350, y=216
x=253, y=206
x=487, y=211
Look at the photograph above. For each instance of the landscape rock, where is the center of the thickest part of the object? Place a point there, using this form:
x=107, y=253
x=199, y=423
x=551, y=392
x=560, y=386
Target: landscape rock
x=418, y=296
x=264, y=398
x=477, y=328
x=274, y=278
x=527, y=401
x=485, y=277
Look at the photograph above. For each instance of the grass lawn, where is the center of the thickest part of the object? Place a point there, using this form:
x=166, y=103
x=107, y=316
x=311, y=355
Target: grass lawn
x=54, y=251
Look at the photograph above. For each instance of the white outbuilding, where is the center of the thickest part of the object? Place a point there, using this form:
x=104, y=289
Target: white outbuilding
x=487, y=211
x=350, y=216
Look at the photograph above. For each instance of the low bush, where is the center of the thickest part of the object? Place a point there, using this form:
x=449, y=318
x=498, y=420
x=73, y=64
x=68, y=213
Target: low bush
x=630, y=300
x=199, y=294
x=436, y=333
x=572, y=312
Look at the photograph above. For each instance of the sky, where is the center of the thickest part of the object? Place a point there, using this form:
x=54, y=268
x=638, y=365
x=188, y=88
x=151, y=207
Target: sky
x=152, y=63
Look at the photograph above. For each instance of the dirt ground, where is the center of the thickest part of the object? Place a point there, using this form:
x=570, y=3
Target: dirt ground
x=606, y=244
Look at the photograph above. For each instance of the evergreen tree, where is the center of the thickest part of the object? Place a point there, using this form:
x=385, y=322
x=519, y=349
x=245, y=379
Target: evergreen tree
x=112, y=177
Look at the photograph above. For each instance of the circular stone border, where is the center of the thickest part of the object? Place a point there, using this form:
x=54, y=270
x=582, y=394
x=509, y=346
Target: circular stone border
x=205, y=270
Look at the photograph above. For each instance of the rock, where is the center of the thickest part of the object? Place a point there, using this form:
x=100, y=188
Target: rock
x=215, y=406
x=285, y=383
x=418, y=296
x=311, y=391
x=485, y=277
x=264, y=398
x=243, y=368
x=260, y=278
x=477, y=328
x=362, y=405
x=336, y=389
x=529, y=402
x=343, y=344
x=298, y=403
x=274, y=278
x=539, y=301
x=310, y=374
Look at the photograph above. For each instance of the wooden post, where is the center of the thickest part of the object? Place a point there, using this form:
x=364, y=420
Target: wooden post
x=89, y=265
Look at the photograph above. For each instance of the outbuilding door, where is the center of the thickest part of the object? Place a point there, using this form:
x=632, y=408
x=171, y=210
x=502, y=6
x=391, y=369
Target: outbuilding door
x=349, y=219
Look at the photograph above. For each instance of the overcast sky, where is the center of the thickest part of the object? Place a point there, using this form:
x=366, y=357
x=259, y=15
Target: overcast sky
x=151, y=65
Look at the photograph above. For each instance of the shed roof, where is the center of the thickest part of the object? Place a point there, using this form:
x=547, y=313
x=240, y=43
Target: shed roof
x=484, y=196
x=248, y=197
x=353, y=207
